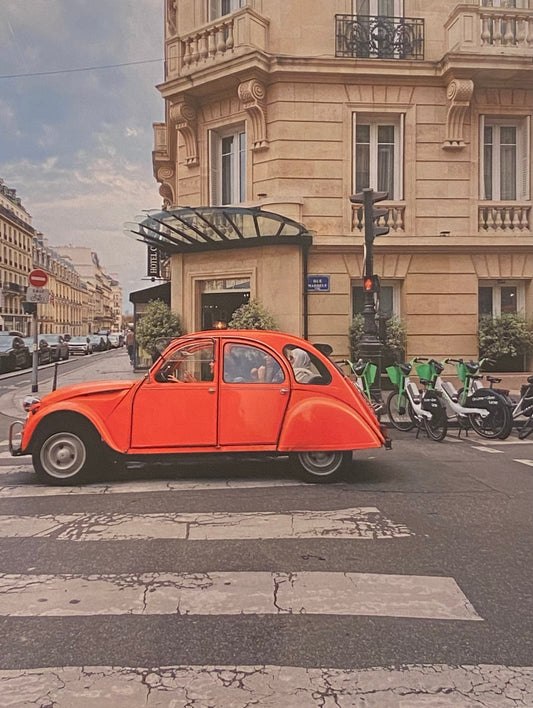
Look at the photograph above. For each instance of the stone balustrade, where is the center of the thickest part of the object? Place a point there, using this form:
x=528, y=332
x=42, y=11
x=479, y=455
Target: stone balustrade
x=394, y=219
x=472, y=28
x=513, y=218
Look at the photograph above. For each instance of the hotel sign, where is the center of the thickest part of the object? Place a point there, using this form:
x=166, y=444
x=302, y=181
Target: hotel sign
x=154, y=262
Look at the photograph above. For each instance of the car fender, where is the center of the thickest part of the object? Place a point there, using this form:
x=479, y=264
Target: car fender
x=40, y=419
x=325, y=424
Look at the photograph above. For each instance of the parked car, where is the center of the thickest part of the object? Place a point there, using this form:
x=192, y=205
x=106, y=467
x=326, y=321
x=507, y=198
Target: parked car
x=80, y=345
x=14, y=354
x=44, y=353
x=219, y=393
x=116, y=339
x=58, y=346
x=97, y=342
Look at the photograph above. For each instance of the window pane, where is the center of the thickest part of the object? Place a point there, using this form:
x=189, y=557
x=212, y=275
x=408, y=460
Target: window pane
x=386, y=169
x=386, y=304
x=362, y=169
x=508, y=299
x=227, y=170
x=508, y=162
x=246, y=364
x=485, y=302
x=242, y=167
x=358, y=301
x=487, y=163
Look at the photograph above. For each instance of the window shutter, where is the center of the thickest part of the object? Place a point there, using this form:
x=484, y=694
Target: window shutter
x=401, y=161
x=354, y=125
x=524, y=149
x=481, y=142
x=214, y=169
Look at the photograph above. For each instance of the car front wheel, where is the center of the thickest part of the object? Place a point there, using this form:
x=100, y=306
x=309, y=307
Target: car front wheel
x=62, y=457
x=322, y=466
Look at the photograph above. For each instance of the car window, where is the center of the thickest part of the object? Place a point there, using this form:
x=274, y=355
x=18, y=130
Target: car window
x=191, y=363
x=248, y=364
x=306, y=366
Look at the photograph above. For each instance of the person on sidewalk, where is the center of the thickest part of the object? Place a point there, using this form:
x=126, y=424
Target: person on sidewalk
x=130, y=346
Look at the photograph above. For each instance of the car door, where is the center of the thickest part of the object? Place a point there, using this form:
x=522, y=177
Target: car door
x=254, y=394
x=175, y=409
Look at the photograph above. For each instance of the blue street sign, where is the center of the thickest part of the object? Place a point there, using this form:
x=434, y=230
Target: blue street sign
x=318, y=283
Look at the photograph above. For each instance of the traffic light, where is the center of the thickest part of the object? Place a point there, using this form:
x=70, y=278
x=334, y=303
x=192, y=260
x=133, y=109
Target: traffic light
x=371, y=283
x=367, y=198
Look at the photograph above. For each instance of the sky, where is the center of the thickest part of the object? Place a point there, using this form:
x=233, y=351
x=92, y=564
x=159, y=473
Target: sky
x=77, y=145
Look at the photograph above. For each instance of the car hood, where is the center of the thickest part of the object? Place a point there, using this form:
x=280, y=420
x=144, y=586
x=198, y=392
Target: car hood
x=92, y=388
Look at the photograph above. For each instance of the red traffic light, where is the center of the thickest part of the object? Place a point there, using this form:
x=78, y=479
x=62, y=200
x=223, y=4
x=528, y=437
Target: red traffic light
x=368, y=283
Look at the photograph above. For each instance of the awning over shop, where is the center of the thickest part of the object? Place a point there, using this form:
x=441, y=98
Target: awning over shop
x=196, y=229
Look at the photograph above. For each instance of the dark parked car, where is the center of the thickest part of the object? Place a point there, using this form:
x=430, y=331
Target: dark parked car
x=97, y=342
x=80, y=345
x=58, y=346
x=44, y=353
x=14, y=354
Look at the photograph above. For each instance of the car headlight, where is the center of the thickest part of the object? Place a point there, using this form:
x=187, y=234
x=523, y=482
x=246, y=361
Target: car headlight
x=29, y=402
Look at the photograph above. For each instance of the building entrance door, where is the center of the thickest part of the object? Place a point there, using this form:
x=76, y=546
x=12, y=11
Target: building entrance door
x=218, y=307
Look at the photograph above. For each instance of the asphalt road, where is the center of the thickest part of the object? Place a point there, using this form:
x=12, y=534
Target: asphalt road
x=406, y=584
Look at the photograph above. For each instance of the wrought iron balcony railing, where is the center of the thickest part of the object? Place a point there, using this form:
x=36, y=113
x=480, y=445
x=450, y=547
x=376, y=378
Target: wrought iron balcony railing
x=379, y=37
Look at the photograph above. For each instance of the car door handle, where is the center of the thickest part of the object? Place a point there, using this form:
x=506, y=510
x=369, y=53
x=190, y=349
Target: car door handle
x=283, y=391
x=211, y=390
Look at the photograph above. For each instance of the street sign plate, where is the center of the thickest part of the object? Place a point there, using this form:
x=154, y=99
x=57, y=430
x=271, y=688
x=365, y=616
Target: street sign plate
x=38, y=278
x=318, y=283
x=37, y=294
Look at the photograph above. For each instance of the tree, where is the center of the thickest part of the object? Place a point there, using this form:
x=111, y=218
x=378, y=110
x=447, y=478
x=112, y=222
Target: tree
x=157, y=327
x=252, y=315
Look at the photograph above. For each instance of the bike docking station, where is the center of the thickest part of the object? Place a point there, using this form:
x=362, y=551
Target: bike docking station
x=371, y=346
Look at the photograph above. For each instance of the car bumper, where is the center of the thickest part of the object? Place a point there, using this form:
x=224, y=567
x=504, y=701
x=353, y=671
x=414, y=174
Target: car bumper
x=15, y=438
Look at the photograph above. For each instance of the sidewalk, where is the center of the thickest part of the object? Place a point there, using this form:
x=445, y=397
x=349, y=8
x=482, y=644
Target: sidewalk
x=114, y=364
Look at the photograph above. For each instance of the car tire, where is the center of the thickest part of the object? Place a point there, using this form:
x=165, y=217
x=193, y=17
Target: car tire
x=321, y=467
x=66, y=454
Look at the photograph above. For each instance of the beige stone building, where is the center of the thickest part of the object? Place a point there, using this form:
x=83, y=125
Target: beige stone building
x=291, y=106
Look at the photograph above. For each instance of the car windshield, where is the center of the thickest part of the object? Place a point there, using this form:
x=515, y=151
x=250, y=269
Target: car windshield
x=77, y=340
x=52, y=338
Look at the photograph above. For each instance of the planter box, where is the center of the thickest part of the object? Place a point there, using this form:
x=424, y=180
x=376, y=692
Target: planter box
x=510, y=363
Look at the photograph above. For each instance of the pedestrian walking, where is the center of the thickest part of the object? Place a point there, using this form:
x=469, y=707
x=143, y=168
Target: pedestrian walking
x=130, y=345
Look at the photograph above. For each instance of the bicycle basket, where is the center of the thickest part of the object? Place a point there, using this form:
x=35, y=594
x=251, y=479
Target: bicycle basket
x=394, y=374
x=370, y=372
x=424, y=371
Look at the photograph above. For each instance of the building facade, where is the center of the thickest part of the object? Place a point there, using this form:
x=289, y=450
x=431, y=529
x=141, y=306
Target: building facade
x=293, y=106
x=16, y=240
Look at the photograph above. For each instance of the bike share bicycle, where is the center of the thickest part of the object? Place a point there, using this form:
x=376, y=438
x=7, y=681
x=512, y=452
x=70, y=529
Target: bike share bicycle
x=408, y=407
x=523, y=407
x=483, y=409
x=365, y=375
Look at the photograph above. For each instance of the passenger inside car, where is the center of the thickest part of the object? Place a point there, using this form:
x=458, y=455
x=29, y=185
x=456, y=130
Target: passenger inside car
x=301, y=364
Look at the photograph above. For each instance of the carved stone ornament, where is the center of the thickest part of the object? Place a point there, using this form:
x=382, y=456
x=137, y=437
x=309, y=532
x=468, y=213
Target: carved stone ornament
x=459, y=94
x=183, y=115
x=164, y=175
x=171, y=16
x=252, y=95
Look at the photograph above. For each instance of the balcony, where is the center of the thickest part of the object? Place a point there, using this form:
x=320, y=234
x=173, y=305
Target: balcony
x=512, y=218
x=490, y=31
x=394, y=219
x=238, y=34
x=379, y=37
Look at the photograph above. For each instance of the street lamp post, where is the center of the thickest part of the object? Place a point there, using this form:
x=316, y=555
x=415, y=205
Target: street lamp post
x=371, y=346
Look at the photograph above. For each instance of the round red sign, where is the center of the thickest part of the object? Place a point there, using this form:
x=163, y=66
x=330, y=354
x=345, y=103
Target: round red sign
x=38, y=278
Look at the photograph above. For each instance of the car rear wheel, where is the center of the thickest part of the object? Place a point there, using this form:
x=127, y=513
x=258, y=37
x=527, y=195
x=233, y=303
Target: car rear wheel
x=322, y=466
x=67, y=456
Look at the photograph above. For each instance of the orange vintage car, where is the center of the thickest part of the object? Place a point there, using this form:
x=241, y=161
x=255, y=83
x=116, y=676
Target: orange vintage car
x=210, y=393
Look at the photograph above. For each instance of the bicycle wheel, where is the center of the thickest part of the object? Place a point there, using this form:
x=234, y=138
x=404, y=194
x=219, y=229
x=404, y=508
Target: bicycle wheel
x=400, y=413
x=526, y=429
x=498, y=424
x=437, y=426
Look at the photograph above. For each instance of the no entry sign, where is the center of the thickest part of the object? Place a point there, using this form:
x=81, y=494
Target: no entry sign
x=38, y=278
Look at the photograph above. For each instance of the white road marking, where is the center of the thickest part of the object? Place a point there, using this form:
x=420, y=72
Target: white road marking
x=403, y=686
x=485, y=449
x=525, y=462
x=513, y=441
x=238, y=593
x=141, y=486
x=354, y=523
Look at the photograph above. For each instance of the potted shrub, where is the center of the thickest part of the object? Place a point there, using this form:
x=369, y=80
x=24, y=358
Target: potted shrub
x=157, y=327
x=252, y=315
x=507, y=339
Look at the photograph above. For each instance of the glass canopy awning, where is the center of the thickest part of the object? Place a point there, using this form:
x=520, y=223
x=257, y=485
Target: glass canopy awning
x=196, y=229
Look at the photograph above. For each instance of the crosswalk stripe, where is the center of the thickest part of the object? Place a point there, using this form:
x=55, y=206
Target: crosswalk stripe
x=235, y=593
x=154, y=485
x=525, y=462
x=486, y=449
x=403, y=686
x=354, y=523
